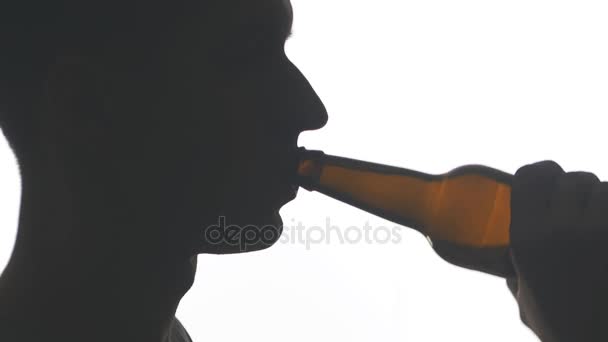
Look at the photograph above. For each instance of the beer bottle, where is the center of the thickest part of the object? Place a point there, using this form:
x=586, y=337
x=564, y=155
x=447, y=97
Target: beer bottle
x=465, y=213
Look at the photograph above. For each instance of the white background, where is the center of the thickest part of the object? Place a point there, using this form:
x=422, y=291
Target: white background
x=427, y=85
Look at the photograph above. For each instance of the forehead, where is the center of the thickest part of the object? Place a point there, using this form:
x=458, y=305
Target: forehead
x=239, y=15
x=288, y=8
x=216, y=27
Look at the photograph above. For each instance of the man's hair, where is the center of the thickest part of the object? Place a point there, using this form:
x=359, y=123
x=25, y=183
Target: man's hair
x=33, y=33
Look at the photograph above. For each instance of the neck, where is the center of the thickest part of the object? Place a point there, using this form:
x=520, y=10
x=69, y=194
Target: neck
x=80, y=259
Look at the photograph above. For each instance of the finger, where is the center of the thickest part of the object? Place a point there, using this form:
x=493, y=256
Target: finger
x=533, y=186
x=513, y=285
x=569, y=200
x=595, y=215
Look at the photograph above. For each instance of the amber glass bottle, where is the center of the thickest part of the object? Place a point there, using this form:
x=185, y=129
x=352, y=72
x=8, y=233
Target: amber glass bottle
x=465, y=213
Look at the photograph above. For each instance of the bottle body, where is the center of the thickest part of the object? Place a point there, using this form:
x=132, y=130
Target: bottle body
x=464, y=213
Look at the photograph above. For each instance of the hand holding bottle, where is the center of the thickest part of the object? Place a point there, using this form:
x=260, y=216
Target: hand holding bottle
x=544, y=230
x=559, y=235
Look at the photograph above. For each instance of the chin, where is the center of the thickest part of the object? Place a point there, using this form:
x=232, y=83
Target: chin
x=185, y=272
x=242, y=232
x=271, y=230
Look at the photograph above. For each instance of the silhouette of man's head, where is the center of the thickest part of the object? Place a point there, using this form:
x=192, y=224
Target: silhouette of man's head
x=153, y=119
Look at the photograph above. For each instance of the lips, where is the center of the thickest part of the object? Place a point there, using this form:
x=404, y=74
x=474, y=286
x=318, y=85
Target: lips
x=294, y=163
x=290, y=194
x=288, y=186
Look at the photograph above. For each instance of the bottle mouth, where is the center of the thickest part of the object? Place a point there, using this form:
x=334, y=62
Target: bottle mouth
x=310, y=165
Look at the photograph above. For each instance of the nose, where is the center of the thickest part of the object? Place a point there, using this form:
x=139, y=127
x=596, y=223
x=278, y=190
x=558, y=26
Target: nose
x=306, y=109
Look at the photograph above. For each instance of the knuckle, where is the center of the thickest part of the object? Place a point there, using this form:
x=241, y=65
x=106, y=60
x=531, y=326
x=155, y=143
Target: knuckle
x=601, y=189
x=527, y=171
x=583, y=177
x=539, y=169
x=577, y=182
x=550, y=166
x=536, y=182
x=599, y=198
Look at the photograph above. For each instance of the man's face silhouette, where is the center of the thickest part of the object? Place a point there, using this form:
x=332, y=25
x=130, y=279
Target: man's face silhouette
x=181, y=122
x=136, y=136
x=236, y=107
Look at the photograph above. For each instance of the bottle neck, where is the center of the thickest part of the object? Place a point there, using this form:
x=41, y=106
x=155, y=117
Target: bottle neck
x=313, y=165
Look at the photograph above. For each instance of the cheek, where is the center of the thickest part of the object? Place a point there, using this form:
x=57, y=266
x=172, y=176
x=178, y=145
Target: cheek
x=246, y=139
x=246, y=145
